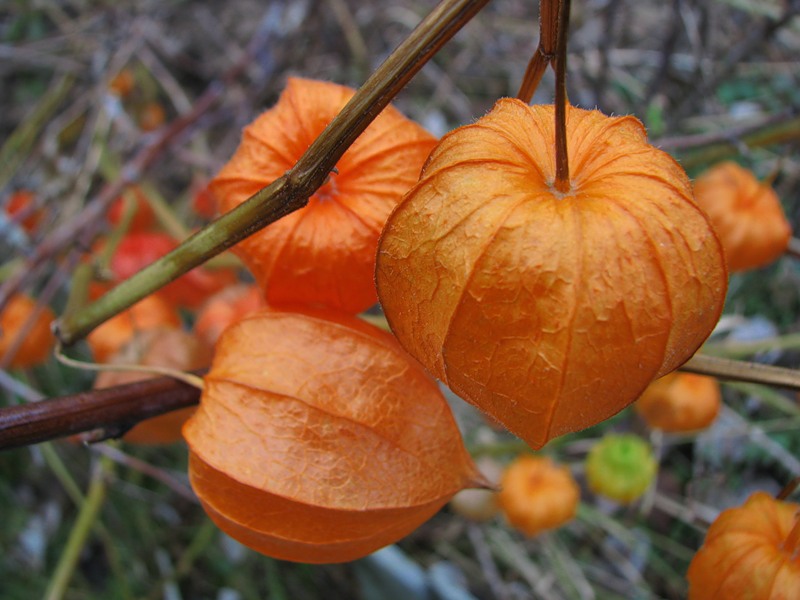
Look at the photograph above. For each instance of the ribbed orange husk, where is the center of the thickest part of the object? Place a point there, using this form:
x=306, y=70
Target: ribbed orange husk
x=746, y=213
x=745, y=554
x=318, y=439
x=550, y=311
x=537, y=494
x=680, y=402
x=323, y=254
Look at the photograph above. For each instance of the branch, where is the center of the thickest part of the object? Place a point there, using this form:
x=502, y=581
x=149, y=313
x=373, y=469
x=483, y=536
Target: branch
x=114, y=410
x=291, y=191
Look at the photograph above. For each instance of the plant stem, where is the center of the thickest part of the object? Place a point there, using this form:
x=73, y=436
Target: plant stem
x=291, y=191
x=545, y=50
x=112, y=410
x=788, y=489
x=80, y=531
x=737, y=370
x=562, y=183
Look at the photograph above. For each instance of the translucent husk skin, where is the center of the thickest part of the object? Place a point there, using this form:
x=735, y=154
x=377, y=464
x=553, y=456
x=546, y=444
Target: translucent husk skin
x=318, y=439
x=550, y=311
x=680, y=402
x=745, y=554
x=324, y=253
x=746, y=213
x=537, y=494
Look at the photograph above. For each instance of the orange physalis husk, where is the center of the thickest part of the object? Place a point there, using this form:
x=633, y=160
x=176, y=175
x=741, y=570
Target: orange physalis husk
x=22, y=202
x=550, y=311
x=746, y=214
x=752, y=551
x=537, y=494
x=680, y=402
x=39, y=340
x=165, y=347
x=318, y=439
x=149, y=313
x=224, y=308
x=323, y=254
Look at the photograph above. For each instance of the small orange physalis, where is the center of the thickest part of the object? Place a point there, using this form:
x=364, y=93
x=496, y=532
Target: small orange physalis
x=163, y=347
x=224, y=308
x=537, y=494
x=323, y=254
x=680, y=402
x=151, y=116
x=149, y=313
x=37, y=342
x=550, y=310
x=318, y=439
x=746, y=213
x=752, y=551
x=123, y=83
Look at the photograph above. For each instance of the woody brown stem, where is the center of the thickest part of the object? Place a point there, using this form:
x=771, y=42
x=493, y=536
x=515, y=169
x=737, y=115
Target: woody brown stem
x=792, y=544
x=292, y=191
x=545, y=51
x=788, y=489
x=113, y=411
x=562, y=183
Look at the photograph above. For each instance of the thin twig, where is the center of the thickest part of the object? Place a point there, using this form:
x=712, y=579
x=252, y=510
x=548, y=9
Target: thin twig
x=80, y=531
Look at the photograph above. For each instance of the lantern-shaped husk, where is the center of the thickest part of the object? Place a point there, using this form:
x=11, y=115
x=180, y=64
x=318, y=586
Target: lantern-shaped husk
x=551, y=311
x=536, y=494
x=323, y=254
x=680, y=402
x=752, y=551
x=746, y=213
x=318, y=439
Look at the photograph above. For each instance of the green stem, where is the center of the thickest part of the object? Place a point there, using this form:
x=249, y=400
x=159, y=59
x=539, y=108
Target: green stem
x=291, y=191
x=63, y=475
x=737, y=370
x=18, y=144
x=80, y=531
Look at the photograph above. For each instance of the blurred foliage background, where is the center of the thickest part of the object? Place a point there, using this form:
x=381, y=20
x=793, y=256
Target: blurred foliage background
x=709, y=68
